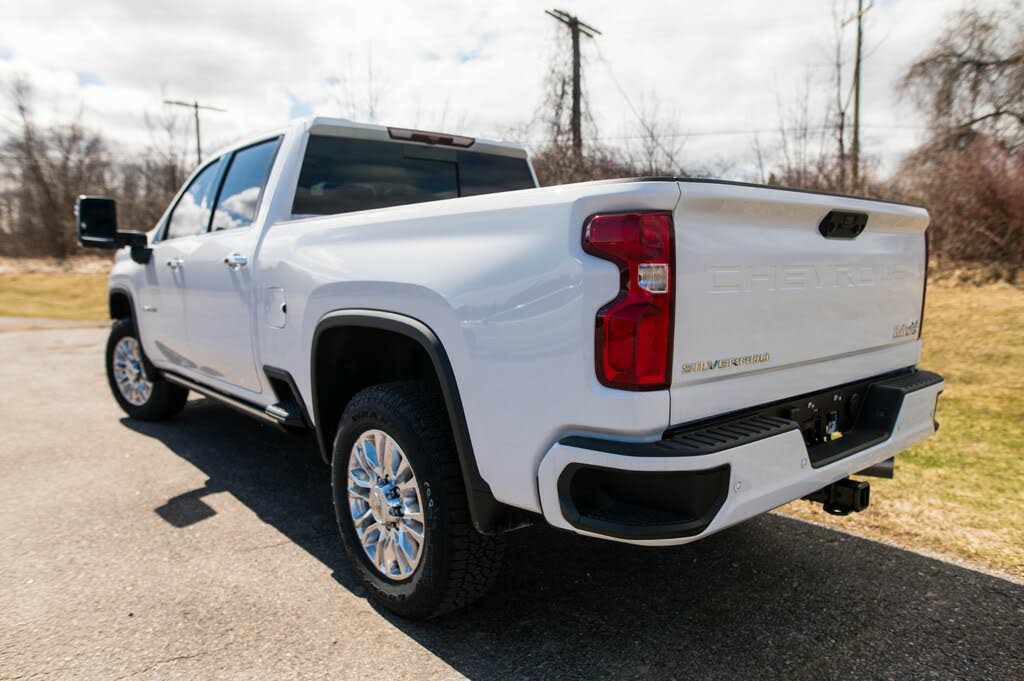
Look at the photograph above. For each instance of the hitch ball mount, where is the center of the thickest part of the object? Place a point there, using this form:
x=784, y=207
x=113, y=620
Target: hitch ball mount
x=843, y=497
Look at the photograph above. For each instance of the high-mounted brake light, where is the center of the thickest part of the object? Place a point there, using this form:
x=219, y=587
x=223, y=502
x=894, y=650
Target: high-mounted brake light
x=430, y=137
x=634, y=331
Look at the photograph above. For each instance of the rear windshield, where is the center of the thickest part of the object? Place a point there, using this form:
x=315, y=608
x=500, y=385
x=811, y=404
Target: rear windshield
x=341, y=175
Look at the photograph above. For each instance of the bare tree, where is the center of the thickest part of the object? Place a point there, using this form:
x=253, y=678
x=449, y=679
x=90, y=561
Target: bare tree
x=356, y=96
x=972, y=78
x=651, y=146
x=842, y=99
x=656, y=144
x=554, y=112
x=802, y=156
x=799, y=157
x=45, y=168
x=970, y=170
x=167, y=150
x=147, y=181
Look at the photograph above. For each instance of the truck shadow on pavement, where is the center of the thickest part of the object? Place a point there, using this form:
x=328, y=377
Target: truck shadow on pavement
x=770, y=598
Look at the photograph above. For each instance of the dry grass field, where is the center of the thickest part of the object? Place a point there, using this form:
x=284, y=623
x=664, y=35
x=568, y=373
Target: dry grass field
x=960, y=494
x=59, y=295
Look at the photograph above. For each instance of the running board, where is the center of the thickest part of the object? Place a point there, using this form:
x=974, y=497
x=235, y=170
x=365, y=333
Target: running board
x=265, y=415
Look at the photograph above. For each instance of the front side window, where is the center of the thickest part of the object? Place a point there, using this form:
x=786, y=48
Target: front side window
x=243, y=185
x=191, y=215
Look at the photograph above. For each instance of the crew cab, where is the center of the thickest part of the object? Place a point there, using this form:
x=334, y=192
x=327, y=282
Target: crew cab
x=644, y=360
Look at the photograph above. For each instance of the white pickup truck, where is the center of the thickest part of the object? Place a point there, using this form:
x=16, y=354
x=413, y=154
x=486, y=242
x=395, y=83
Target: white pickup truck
x=648, y=360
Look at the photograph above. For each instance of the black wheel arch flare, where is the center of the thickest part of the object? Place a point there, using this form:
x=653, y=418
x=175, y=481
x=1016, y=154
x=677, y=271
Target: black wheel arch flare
x=489, y=515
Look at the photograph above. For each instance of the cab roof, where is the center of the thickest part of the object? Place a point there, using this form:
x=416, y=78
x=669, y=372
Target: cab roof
x=343, y=127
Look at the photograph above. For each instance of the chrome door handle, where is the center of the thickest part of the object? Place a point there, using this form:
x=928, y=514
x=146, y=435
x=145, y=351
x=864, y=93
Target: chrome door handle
x=175, y=263
x=235, y=261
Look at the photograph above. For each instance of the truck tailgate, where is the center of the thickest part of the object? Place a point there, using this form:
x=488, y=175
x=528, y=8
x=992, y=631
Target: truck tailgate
x=768, y=308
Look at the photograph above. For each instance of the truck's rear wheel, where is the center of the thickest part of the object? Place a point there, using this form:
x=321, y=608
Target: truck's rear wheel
x=141, y=393
x=401, y=504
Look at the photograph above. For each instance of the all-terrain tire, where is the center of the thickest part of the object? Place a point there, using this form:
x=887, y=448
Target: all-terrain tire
x=458, y=564
x=163, y=401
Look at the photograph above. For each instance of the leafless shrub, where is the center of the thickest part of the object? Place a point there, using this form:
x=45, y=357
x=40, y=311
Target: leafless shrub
x=975, y=195
x=649, y=155
x=555, y=163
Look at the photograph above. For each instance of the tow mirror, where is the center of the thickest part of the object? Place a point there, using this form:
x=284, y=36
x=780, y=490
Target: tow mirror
x=97, y=228
x=97, y=222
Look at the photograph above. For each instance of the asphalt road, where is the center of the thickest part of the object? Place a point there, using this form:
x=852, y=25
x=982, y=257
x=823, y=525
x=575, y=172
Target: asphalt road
x=206, y=548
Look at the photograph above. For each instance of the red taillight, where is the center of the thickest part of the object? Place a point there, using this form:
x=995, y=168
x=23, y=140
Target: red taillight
x=924, y=290
x=634, y=331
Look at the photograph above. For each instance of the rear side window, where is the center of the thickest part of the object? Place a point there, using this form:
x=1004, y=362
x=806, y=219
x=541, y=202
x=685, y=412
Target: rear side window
x=341, y=175
x=191, y=215
x=243, y=185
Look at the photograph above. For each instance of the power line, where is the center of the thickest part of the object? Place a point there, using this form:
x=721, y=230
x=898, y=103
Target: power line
x=855, y=151
x=195, y=106
x=759, y=131
x=717, y=27
x=649, y=133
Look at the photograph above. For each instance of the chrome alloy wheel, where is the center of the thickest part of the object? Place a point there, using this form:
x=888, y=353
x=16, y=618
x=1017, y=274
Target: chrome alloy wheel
x=129, y=372
x=385, y=504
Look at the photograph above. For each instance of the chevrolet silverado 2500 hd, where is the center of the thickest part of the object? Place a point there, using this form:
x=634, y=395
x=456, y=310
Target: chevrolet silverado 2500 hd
x=647, y=361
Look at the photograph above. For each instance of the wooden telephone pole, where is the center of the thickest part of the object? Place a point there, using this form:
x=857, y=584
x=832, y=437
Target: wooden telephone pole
x=195, y=106
x=576, y=27
x=855, y=145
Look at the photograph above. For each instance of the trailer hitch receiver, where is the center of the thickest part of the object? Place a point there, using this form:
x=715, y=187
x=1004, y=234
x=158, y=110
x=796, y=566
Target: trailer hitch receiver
x=843, y=497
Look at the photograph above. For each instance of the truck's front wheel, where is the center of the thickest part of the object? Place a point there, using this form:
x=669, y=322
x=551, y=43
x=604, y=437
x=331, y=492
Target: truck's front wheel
x=401, y=504
x=141, y=393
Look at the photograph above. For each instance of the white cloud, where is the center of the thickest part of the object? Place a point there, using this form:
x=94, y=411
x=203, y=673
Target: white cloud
x=469, y=67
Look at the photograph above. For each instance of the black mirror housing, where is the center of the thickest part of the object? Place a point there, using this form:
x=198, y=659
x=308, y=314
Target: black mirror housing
x=96, y=217
x=97, y=222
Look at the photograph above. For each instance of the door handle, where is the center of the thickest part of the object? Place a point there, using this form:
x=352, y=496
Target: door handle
x=235, y=261
x=175, y=263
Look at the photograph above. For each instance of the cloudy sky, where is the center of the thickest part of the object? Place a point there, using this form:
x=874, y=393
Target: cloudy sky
x=717, y=70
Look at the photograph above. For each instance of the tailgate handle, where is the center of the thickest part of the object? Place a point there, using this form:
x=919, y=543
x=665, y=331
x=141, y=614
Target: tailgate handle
x=843, y=224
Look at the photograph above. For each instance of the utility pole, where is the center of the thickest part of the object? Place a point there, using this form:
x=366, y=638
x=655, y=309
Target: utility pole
x=576, y=27
x=195, y=106
x=855, y=145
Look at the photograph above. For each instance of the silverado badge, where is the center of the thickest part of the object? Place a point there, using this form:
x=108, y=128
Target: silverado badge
x=725, y=363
